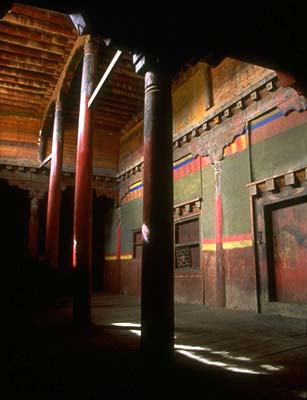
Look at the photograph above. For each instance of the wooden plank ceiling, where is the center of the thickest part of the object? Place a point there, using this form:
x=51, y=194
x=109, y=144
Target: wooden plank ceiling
x=35, y=46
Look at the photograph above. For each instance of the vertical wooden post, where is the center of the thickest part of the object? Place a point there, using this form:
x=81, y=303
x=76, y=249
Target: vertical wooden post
x=157, y=302
x=33, y=230
x=208, y=93
x=54, y=193
x=220, y=272
x=82, y=240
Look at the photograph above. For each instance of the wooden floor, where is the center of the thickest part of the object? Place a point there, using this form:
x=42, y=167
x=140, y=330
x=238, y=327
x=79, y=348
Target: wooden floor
x=218, y=353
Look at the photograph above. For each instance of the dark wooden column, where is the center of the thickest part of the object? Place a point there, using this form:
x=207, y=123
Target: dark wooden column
x=82, y=240
x=54, y=193
x=33, y=229
x=157, y=303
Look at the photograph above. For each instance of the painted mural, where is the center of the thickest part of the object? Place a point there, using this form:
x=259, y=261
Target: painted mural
x=272, y=142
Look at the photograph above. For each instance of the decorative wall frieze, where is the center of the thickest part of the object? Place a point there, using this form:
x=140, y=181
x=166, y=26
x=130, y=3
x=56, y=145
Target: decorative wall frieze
x=293, y=103
x=20, y=172
x=107, y=191
x=226, y=110
x=125, y=184
x=187, y=208
x=227, y=116
x=37, y=190
x=214, y=135
x=277, y=183
x=36, y=180
x=130, y=171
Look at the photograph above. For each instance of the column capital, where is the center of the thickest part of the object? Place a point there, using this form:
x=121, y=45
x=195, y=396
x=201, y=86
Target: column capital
x=144, y=63
x=58, y=105
x=91, y=46
x=36, y=194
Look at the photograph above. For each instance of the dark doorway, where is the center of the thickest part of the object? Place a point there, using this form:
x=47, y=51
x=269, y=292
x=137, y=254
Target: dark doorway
x=101, y=205
x=287, y=249
x=66, y=229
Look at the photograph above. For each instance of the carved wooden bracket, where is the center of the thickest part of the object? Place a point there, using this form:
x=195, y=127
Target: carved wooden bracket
x=187, y=208
x=293, y=103
x=35, y=189
x=277, y=182
x=212, y=144
x=212, y=141
x=125, y=184
x=108, y=189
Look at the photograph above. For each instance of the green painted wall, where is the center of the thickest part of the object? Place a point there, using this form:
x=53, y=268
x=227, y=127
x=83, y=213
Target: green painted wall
x=208, y=203
x=187, y=187
x=131, y=218
x=235, y=196
x=280, y=153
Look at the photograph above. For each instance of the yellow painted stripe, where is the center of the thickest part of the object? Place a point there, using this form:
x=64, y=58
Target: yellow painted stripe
x=126, y=256
x=233, y=147
x=182, y=159
x=237, y=244
x=135, y=184
x=209, y=246
x=244, y=141
x=110, y=258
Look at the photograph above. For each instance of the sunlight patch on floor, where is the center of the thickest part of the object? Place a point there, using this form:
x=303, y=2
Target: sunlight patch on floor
x=190, y=350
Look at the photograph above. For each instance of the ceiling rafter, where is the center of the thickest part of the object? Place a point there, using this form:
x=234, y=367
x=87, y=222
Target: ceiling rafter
x=66, y=76
x=44, y=37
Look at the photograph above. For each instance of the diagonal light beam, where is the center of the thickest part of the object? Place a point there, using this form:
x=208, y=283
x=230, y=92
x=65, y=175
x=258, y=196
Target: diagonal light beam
x=104, y=77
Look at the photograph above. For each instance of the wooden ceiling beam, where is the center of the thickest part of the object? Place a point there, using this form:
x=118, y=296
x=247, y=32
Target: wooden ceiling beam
x=20, y=31
x=139, y=91
x=127, y=72
x=33, y=83
x=33, y=75
x=125, y=94
x=40, y=25
x=108, y=126
x=119, y=105
x=51, y=16
x=19, y=58
x=107, y=118
x=9, y=85
x=32, y=44
x=98, y=116
x=125, y=65
x=28, y=52
x=11, y=93
x=112, y=111
x=66, y=77
x=137, y=83
x=26, y=69
x=19, y=112
x=15, y=101
x=17, y=104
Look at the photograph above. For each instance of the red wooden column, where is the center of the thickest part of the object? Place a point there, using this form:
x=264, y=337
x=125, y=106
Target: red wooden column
x=54, y=193
x=157, y=302
x=33, y=230
x=82, y=241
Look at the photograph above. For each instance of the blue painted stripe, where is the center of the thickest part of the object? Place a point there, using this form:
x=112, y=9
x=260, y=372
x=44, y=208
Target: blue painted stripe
x=253, y=127
x=136, y=187
x=267, y=120
x=183, y=163
x=261, y=123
